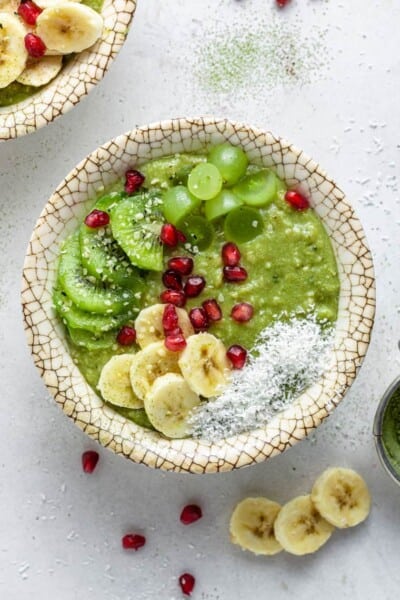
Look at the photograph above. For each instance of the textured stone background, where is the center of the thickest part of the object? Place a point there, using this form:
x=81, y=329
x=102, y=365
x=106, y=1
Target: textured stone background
x=60, y=530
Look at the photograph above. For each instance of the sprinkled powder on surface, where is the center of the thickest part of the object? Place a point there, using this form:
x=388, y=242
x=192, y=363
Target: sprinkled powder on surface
x=287, y=358
x=270, y=54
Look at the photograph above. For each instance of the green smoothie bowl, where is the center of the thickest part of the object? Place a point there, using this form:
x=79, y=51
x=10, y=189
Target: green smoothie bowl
x=53, y=53
x=198, y=295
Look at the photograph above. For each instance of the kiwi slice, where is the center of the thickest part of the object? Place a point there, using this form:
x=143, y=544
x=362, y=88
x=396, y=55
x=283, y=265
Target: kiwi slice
x=85, y=339
x=88, y=294
x=170, y=170
x=108, y=201
x=136, y=224
x=75, y=318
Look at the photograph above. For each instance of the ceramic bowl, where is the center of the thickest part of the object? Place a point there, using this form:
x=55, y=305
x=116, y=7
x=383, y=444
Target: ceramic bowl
x=378, y=425
x=46, y=337
x=75, y=80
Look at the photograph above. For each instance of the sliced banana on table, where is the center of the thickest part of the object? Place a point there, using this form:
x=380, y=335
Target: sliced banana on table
x=13, y=54
x=149, y=327
x=299, y=527
x=41, y=71
x=342, y=497
x=204, y=364
x=148, y=364
x=69, y=27
x=169, y=403
x=252, y=526
x=115, y=383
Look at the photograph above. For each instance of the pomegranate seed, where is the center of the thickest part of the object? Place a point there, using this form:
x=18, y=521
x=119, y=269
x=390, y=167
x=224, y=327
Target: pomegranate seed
x=133, y=181
x=29, y=11
x=282, y=3
x=97, y=218
x=173, y=297
x=175, y=341
x=133, y=541
x=237, y=355
x=235, y=274
x=190, y=514
x=187, y=581
x=296, y=200
x=172, y=280
x=213, y=310
x=198, y=319
x=242, y=312
x=194, y=286
x=90, y=458
x=181, y=264
x=170, y=320
x=181, y=237
x=169, y=235
x=230, y=254
x=34, y=45
x=126, y=336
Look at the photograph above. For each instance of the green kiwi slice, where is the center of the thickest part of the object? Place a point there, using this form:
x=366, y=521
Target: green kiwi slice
x=97, y=324
x=85, y=339
x=87, y=293
x=136, y=224
x=170, y=170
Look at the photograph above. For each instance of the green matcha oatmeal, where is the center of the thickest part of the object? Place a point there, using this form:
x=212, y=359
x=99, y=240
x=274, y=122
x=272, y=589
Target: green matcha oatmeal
x=200, y=295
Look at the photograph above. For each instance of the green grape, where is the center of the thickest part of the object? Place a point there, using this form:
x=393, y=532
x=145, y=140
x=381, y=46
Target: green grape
x=221, y=204
x=243, y=224
x=257, y=189
x=230, y=161
x=205, y=181
x=177, y=203
x=198, y=231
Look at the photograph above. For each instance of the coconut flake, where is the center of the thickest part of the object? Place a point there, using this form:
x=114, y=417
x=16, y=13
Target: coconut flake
x=286, y=358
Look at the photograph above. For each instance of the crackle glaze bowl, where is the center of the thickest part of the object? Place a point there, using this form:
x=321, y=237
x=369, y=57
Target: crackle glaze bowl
x=46, y=337
x=75, y=79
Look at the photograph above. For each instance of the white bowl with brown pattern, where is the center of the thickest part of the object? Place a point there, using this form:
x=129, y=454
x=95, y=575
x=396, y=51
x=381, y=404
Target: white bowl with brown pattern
x=75, y=80
x=46, y=336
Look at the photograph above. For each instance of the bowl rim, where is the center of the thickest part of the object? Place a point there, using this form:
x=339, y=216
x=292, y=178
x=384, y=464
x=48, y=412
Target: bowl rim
x=247, y=448
x=85, y=70
x=377, y=430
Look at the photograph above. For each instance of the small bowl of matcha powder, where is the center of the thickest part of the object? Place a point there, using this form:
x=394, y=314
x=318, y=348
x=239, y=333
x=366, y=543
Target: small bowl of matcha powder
x=387, y=430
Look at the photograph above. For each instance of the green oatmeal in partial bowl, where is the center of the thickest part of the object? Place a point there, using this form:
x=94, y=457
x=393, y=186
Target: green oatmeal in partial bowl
x=198, y=295
x=181, y=283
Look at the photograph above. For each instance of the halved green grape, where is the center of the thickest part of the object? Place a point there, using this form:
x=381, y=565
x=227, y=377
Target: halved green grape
x=177, y=203
x=230, y=161
x=257, y=189
x=221, y=204
x=136, y=224
x=97, y=324
x=198, y=231
x=243, y=224
x=205, y=181
x=86, y=339
x=170, y=170
x=86, y=294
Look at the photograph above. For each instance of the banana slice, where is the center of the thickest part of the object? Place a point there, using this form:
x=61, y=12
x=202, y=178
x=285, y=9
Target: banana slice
x=168, y=404
x=115, y=384
x=50, y=3
x=69, y=27
x=9, y=6
x=204, y=364
x=252, y=526
x=148, y=364
x=299, y=527
x=342, y=497
x=149, y=328
x=39, y=72
x=13, y=54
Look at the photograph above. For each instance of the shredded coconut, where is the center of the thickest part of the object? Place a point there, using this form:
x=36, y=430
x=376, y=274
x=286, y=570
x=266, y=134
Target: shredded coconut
x=287, y=358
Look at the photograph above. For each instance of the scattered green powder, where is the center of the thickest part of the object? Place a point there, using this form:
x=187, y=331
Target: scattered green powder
x=273, y=54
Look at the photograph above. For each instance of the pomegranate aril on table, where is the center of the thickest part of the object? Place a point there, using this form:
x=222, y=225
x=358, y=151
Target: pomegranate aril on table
x=230, y=254
x=234, y=274
x=297, y=200
x=97, y=218
x=199, y=319
x=212, y=309
x=133, y=181
x=242, y=312
x=181, y=264
x=126, y=336
x=187, y=582
x=190, y=514
x=173, y=297
x=133, y=541
x=194, y=285
x=237, y=355
x=90, y=458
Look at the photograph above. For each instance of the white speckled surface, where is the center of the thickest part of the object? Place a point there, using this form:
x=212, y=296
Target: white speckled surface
x=59, y=529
